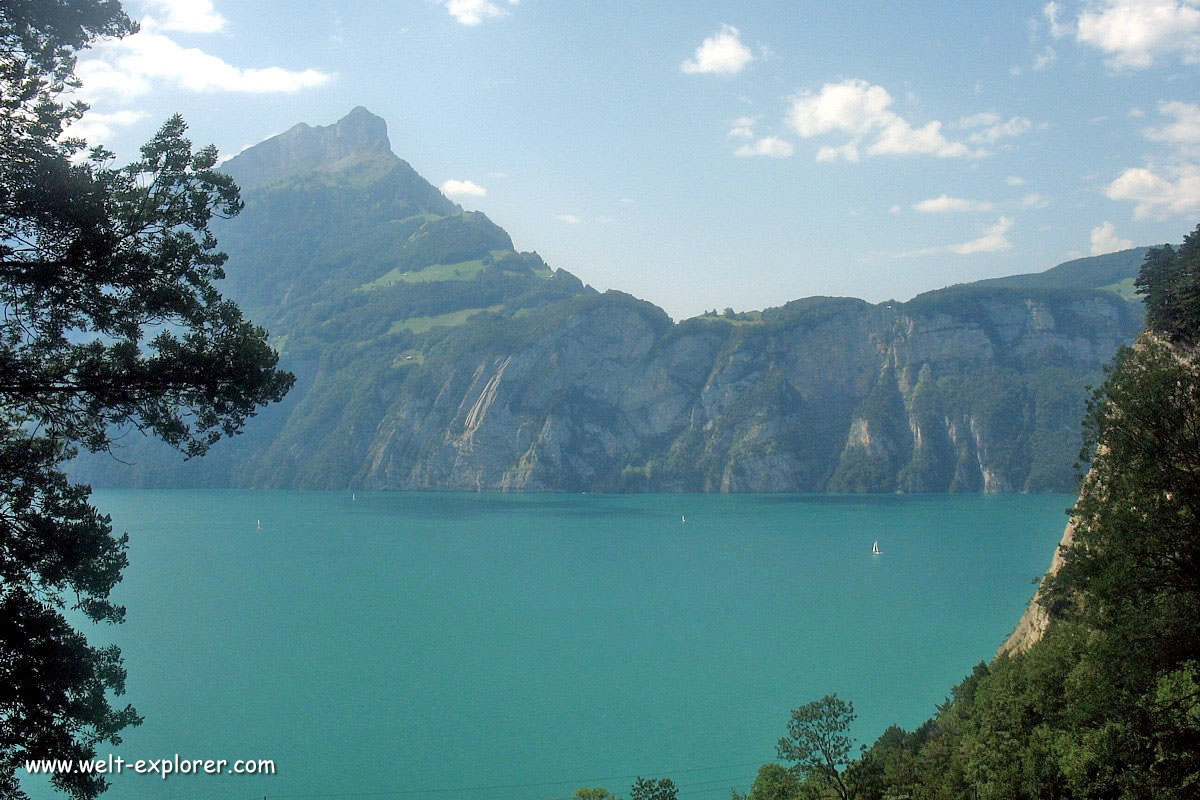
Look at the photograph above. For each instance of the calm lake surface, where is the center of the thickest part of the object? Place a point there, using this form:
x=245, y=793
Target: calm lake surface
x=521, y=646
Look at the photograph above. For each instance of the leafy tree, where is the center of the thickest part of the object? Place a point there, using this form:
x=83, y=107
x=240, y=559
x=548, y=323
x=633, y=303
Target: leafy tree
x=818, y=743
x=653, y=789
x=1138, y=517
x=1131, y=580
x=595, y=793
x=774, y=782
x=108, y=318
x=1170, y=281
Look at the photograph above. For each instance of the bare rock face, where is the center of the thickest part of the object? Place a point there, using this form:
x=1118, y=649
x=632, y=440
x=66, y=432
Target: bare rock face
x=609, y=395
x=302, y=148
x=615, y=397
x=1034, y=622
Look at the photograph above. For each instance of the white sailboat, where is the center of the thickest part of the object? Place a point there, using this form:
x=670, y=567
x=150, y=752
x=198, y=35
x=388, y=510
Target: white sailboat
x=875, y=551
x=258, y=524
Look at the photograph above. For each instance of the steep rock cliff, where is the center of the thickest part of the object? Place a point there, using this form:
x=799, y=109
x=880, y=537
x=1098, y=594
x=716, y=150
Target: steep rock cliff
x=431, y=355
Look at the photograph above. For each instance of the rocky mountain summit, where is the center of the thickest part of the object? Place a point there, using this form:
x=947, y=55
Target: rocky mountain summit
x=430, y=354
x=303, y=148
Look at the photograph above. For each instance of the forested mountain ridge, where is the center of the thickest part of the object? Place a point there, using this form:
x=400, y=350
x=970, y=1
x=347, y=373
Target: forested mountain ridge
x=1112, y=271
x=430, y=354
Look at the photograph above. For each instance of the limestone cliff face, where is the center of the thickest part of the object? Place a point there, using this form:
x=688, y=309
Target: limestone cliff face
x=304, y=148
x=975, y=391
x=1036, y=620
x=839, y=395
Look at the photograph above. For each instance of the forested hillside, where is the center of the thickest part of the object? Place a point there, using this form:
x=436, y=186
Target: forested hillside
x=1106, y=702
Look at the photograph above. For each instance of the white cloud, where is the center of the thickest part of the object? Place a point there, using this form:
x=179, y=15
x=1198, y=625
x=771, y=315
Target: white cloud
x=1015, y=126
x=721, y=53
x=1034, y=200
x=979, y=120
x=473, y=12
x=743, y=128
x=945, y=204
x=570, y=219
x=1105, y=240
x=900, y=138
x=130, y=67
x=1045, y=58
x=847, y=151
x=456, y=188
x=1157, y=196
x=1057, y=29
x=1014, y=180
x=96, y=127
x=1136, y=32
x=1184, y=132
x=771, y=146
x=1171, y=186
x=110, y=73
x=852, y=106
x=993, y=240
x=185, y=16
x=863, y=112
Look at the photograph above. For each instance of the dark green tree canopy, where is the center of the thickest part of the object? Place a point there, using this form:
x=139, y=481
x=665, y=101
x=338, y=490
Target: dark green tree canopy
x=1170, y=281
x=46, y=35
x=818, y=742
x=774, y=782
x=653, y=789
x=109, y=318
x=111, y=315
x=593, y=793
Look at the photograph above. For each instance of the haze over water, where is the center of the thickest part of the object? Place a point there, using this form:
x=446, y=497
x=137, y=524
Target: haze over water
x=536, y=643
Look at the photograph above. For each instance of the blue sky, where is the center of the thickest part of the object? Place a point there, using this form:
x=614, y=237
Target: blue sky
x=711, y=154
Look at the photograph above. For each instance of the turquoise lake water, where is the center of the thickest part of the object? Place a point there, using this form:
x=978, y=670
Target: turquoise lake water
x=520, y=646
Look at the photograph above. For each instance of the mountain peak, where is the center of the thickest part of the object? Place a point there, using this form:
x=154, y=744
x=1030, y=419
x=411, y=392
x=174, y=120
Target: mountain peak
x=304, y=147
x=360, y=131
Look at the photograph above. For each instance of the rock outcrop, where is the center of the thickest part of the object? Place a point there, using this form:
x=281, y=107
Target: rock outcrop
x=1036, y=619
